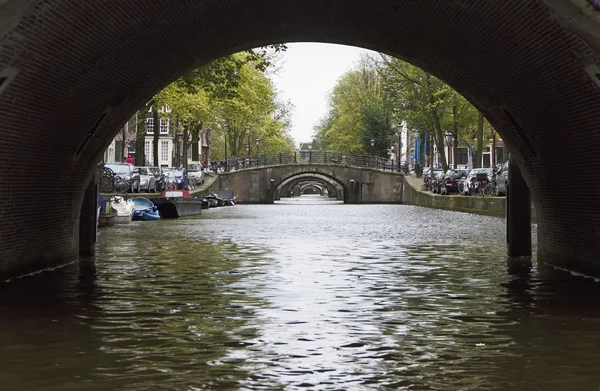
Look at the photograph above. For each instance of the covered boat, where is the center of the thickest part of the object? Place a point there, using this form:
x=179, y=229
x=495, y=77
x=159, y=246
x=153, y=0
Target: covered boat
x=177, y=203
x=227, y=196
x=143, y=209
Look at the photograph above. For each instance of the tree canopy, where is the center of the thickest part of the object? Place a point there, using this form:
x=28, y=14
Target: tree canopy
x=232, y=96
x=380, y=92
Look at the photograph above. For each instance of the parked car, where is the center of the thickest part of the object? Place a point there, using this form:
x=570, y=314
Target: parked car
x=438, y=180
x=196, y=171
x=176, y=178
x=126, y=172
x=426, y=174
x=147, y=179
x=474, y=179
x=502, y=180
x=451, y=180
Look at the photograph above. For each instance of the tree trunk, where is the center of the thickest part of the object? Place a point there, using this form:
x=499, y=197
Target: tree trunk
x=422, y=149
x=140, y=137
x=439, y=134
x=439, y=138
x=155, y=138
x=124, y=137
x=186, y=131
x=479, y=148
x=455, y=137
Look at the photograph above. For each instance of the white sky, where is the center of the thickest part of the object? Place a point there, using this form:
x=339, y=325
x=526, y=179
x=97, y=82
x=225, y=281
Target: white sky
x=308, y=72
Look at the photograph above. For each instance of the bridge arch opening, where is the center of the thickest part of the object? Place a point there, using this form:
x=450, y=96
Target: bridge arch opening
x=67, y=85
x=284, y=187
x=312, y=188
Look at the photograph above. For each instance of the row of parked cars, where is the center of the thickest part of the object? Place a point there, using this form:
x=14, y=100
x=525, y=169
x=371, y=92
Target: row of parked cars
x=156, y=179
x=484, y=181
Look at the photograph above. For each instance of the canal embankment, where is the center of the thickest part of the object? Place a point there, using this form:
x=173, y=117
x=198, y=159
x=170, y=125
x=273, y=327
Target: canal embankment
x=413, y=195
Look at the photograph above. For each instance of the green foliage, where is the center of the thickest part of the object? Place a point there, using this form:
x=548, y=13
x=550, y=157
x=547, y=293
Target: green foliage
x=357, y=114
x=234, y=98
x=369, y=101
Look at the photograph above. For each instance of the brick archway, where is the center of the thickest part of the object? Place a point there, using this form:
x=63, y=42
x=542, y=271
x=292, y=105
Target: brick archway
x=70, y=75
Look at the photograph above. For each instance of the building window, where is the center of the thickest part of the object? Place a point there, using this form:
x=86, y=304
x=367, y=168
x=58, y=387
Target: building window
x=164, y=151
x=164, y=126
x=150, y=125
x=462, y=156
x=499, y=155
x=148, y=151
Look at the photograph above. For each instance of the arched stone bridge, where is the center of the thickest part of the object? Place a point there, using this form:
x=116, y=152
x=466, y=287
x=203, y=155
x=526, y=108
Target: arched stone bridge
x=71, y=73
x=354, y=185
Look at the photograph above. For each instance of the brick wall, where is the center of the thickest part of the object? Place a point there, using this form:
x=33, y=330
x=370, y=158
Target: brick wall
x=74, y=72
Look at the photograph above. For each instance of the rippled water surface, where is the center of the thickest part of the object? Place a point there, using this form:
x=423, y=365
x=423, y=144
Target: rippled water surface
x=305, y=294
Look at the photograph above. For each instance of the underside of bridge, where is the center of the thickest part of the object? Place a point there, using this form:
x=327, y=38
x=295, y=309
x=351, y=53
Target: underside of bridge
x=71, y=73
x=294, y=186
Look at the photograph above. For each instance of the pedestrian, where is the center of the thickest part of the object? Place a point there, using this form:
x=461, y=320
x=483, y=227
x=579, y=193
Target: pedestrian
x=129, y=160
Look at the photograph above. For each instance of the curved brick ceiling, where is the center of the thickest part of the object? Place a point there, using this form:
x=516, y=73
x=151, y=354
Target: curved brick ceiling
x=73, y=72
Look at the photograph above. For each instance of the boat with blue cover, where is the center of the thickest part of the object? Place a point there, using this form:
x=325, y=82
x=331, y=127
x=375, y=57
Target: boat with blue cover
x=144, y=209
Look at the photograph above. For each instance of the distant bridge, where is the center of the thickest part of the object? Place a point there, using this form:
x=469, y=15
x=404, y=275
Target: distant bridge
x=354, y=179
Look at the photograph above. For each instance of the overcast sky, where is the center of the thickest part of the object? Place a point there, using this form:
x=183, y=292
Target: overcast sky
x=308, y=73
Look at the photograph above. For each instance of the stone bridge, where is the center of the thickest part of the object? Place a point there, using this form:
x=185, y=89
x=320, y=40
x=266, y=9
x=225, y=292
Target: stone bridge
x=72, y=73
x=353, y=185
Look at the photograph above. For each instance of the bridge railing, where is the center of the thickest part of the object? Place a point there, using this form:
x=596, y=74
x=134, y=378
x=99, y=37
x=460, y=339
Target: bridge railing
x=306, y=157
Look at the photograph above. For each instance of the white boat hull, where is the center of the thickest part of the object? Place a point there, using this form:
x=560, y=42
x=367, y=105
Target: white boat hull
x=124, y=210
x=124, y=219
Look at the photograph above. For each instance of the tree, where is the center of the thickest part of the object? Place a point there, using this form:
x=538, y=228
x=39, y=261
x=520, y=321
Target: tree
x=357, y=113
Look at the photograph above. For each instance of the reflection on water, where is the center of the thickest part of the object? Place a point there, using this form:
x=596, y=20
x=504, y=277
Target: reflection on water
x=305, y=294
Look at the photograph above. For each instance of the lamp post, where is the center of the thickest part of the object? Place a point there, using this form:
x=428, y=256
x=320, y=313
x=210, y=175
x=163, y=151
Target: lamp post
x=226, y=160
x=310, y=153
x=399, y=127
x=406, y=168
x=475, y=153
x=371, y=150
x=248, y=154
x=257, y=142
x=449, y=140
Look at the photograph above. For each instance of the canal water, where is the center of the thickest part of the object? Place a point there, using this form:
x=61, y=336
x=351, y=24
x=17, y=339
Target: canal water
x=307, y=294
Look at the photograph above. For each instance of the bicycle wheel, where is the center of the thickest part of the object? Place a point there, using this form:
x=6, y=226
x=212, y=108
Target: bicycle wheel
x=106, y=184
x=487, y=190
x=461, y=188
x=121, y=185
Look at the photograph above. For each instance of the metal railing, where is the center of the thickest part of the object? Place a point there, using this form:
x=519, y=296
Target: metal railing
x=308, y=157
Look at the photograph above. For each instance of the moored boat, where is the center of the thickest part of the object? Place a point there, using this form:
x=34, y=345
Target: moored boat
x=227, y=196
x=144, y=209
x=177, y=203
x=108, y=218
x=213, y=201
x=123, y=208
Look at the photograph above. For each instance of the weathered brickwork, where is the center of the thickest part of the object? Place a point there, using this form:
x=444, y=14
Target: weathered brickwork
x=521, y=62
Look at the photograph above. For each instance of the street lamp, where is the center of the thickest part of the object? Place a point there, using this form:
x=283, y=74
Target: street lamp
x=310, y=153
x=257, y=141
x=248, y=154
x=248, y=135
x=399, y=145
x=226, y=160
x=474, y=152
x=449, y=138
